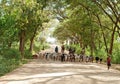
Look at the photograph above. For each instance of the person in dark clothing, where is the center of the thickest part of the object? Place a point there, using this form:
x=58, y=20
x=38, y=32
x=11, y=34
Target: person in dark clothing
x=97, y=59
x=62, y=57
x=46, y=56
x=100, y=60
x=56, y=49
x=108, y=62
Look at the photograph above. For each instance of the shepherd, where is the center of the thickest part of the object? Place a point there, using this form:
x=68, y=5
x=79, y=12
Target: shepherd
x=56, y=49
x=108, y=62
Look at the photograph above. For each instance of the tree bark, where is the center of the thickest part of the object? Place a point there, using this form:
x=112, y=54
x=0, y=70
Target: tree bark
x=92, y=45
x=32, y=39
x=22, y=43
x=112, y=41
x=102, y=32
x=31, y=43
x=112, y=38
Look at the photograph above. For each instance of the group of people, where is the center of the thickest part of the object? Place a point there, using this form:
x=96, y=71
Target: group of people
x=72, y=51
x=108, y=60
x=62, y=49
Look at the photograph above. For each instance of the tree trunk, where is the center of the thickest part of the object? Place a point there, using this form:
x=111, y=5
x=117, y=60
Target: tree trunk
x=112, y=41
x=102, y=32
x=31, y=43
x=22, y=43
x=91, y=51
x=32, y=39
x=92, y=42
x=105, y=41
x=112, y=38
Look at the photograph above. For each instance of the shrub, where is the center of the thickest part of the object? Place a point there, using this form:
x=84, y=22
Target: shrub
x=101, y=53
x=78, y=49
x=11, y=54
x=37, y=47
x=28, y=54
x=7, y=65
x=116, y=56
x=73, y=46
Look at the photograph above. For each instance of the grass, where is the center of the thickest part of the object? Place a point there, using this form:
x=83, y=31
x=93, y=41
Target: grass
x=7, y=65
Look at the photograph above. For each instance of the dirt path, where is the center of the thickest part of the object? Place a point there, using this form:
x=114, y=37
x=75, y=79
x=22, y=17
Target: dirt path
x=49, y=72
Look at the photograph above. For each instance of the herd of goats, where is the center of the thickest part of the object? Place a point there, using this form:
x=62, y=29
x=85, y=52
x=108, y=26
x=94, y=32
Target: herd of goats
x=63, y=57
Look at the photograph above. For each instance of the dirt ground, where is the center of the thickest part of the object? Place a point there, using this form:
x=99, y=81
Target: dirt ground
x=55, y=72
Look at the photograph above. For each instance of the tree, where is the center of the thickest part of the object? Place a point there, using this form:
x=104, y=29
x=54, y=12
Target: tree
x=23, y=20
x=92, y=25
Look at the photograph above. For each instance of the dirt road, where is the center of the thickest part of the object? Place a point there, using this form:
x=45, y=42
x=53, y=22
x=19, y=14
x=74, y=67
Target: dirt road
x=51, y=72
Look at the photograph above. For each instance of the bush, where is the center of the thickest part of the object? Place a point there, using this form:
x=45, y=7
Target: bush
x=7, y=65
x=11, y=54
x=78, y=49
x=38, y=47
x=73, y=46
x=28, y=54
x=9, y=60
x=46, y=46
x=116, y=56
x=101, y=54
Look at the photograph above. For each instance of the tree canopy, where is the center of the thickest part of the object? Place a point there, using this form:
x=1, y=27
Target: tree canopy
x=94, y=24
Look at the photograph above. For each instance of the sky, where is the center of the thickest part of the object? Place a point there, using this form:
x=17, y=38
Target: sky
x=54, y=24
x=47, y=33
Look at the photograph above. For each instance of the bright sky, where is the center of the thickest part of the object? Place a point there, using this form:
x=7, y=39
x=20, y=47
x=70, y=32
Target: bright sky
x=47, y=33
x=51, y=39
x=53, y=24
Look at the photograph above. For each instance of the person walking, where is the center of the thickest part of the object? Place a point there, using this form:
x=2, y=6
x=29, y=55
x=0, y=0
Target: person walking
x=108, y=62
x=63, y=57
x=56, y=49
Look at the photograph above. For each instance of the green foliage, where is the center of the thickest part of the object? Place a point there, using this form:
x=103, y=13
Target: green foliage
x=7, y=65
x=116, y=54
x=28, y=54
x=76, y=47
x=21, y=20
x=38, y=46
x=46, y=46
x=89, y=24
x=101, y=54
x=116, y=57
x=11, y=54
x=9, y=62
